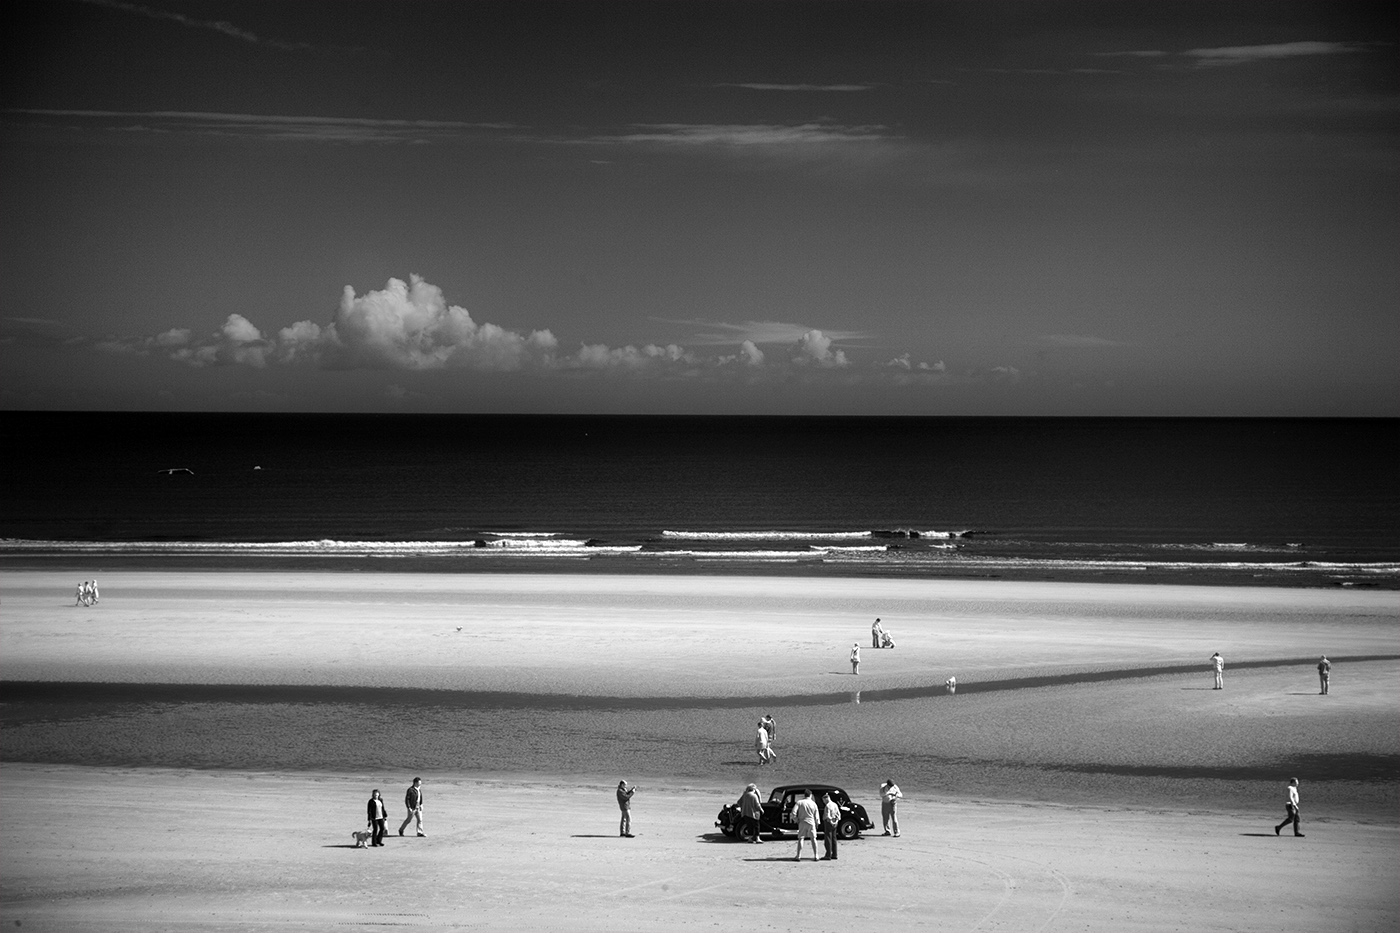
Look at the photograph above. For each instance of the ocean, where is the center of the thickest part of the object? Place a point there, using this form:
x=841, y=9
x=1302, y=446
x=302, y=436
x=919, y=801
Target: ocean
x=1306, y=502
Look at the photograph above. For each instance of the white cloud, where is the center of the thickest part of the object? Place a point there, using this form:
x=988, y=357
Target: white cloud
x=718, y=333
x=600, y=356
x=1243, y=54
x=814, y=347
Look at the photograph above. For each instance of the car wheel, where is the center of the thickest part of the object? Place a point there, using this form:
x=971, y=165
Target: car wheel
x=745, y=832
x=847, y=829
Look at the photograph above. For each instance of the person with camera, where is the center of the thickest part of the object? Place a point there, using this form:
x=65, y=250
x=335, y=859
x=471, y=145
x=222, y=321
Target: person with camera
x=624, y=803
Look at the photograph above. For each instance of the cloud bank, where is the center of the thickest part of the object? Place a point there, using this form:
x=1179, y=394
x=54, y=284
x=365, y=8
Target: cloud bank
x=410, y=327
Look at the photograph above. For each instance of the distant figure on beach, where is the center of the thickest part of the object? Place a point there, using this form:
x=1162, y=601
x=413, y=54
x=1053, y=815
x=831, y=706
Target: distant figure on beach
x=751, y=812
x=886, y=639
x=92, y=591
x=876, y=631
x=890, y=795
x=1324, y=673
x=1219, y=663
x=855, y=659
x=952, y=684
x=82, y=594
x=771, y=726
x=1290, y=807
x=378, y=818
x=624, y=803
x=831, y=819
x=806, y=816
x=413, y=800
x=763, y=744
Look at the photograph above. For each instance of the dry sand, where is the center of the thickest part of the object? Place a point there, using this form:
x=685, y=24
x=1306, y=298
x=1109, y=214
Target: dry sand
x=1006, y=842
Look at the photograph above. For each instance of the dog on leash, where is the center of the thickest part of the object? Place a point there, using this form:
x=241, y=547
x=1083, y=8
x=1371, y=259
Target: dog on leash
x=361, y=838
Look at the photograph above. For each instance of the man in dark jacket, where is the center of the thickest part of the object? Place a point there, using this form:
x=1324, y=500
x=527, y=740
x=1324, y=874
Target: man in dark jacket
x=413, y=799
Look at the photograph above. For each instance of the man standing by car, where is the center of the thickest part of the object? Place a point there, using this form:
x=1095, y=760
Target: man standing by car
x=413, y=799
x=751, y=812
x=831, y=820
x=889, y=802
x=805, y=815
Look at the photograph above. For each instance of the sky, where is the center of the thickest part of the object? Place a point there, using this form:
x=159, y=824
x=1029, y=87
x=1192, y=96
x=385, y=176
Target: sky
x=680, y=207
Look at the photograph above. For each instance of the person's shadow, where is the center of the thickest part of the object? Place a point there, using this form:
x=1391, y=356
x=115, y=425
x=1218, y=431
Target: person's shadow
x=1258, y=835
x=595, y=836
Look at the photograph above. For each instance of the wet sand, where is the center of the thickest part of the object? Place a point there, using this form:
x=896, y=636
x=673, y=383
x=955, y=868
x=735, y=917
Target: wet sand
x=1128, y=803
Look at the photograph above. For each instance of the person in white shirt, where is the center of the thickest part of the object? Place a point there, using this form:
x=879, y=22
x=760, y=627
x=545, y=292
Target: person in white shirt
x=805, y=814
x=831, y=819
x=1291, y=810
x=889, y=802
x=855, y=659
x=763, y=746
x=1219, y=663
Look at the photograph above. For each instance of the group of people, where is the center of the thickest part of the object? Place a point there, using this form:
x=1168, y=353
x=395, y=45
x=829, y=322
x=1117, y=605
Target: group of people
x=1324, y=672
x=377, y=813
x=1290, y=804
x=879, y=638
x=763, y=742
x=87, y=593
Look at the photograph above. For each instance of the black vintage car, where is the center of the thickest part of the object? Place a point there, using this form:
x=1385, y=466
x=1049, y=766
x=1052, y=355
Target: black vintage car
x=777, y=813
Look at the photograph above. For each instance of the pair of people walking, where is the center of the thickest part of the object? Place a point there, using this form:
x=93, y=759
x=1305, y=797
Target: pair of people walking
x=763, y=741
x=377, y=812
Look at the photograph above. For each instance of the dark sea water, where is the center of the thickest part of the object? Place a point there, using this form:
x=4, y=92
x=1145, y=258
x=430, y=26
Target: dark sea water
x=1292, y=502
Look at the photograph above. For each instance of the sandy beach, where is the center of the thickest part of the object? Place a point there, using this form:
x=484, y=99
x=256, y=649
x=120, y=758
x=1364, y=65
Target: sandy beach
x=1141, y=801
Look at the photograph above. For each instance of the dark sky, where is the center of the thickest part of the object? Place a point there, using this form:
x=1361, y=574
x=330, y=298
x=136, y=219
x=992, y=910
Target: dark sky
x=859, y=208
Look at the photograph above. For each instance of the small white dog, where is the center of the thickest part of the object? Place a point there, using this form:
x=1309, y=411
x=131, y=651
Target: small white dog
x=361, y=837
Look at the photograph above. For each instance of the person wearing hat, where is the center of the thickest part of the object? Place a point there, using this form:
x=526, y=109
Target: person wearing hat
x=855, y=658
x=1324, y=673
x=624, y=803
x=1219, y=663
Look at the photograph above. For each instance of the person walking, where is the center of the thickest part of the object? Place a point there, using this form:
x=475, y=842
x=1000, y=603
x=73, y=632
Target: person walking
x=378, y=816
x=624, y=803
x=771, y=726
x=413, y=799
x=855, y=658
x=831, y=821
x=751, y=813
x=1219, y=663
x=1290, y=807
x=805, y=815
x=1324, y=673
x=890, y=795
x=763, y=746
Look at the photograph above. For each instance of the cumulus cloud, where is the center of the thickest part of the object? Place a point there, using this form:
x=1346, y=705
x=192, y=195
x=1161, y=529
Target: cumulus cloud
x=814, y=347
x=408, y=326
x=600, y=356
